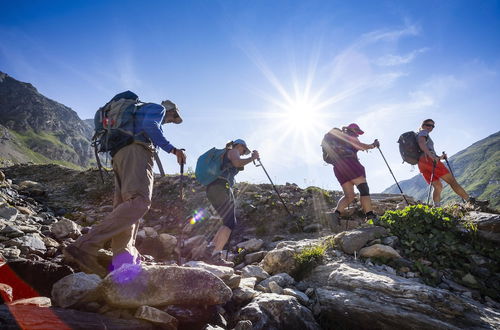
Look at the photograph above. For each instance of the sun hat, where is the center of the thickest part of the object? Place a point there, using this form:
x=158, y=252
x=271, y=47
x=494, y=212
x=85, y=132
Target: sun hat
x=355, y=128
x=171, y=106
x=243, y=143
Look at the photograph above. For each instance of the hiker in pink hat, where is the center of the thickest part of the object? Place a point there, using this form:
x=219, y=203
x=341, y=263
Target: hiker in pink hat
x=340, y=147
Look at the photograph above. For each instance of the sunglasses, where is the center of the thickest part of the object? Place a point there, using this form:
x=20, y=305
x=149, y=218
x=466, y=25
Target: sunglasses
x=429, y=125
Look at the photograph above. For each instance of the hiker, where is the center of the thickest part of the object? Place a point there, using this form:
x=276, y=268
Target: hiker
x=431, y=168
x=133, y=169
x=349, y=171
x=220, y=194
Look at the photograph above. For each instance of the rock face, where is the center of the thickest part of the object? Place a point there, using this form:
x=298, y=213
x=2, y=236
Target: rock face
x=73, y=288
x=134, y=286
x=488, y=225
x=49, y=128
x=273, y=311
x=351, y=296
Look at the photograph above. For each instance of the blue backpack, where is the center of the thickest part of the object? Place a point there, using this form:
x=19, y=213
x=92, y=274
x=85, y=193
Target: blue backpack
x=209, y=166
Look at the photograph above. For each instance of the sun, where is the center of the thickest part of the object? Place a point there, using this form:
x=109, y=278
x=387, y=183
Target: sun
x=301, y=114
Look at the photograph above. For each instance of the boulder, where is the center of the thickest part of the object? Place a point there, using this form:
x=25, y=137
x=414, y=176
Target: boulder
x=282, y=279
x=243, y=295
x=251, y=245
x=301, y=296
x=221, y=272
x=74, y=288
x=351, y=241
x=30, y=243
x=157, y=316
x=352, y=296
x=66, y=228
x=379, y=251
x=279, y=261
x=254, y=271
x=272, y=311
x=254, y=257
x=136, y=285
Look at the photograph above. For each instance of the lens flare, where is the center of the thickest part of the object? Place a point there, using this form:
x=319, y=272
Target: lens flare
x=198, y=216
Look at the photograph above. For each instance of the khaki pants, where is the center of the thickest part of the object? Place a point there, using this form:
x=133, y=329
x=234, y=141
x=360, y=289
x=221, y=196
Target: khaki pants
x=133, y=168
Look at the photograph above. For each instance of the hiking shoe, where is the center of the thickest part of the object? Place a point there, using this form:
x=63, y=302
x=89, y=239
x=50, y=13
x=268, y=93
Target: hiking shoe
x=334, y=222
x=374, y=218
x=476, y=202
x=87, y=262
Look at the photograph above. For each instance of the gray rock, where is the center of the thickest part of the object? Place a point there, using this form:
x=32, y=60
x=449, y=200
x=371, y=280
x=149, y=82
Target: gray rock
x=254, y=257
x=390, y=240
x=272, y=311
x=254, y=271
x=251, y=245
x=244, y=325
x=379, y=251
x=30, y=243
x=11, y=232
x=279, y=261
x=243, y=295
x=74, y=288
x=282, y=279
x=353, y=297
x=248, y=282
x=488, y=225
x=157, y=316
x=8, y=213
x=137, y=285
x=66, y=228
x=301, y=296
x=351, y=241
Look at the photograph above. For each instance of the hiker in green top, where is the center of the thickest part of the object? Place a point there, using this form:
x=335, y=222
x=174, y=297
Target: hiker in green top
x=220, y=194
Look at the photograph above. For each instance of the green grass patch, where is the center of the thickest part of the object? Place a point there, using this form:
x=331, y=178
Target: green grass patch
x=307, y=259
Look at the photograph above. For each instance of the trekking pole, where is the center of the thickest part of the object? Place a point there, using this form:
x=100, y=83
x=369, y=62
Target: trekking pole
x=434, y=162
x=182, y=179
x=449, y=167
x=275, y=189
x=397, y=183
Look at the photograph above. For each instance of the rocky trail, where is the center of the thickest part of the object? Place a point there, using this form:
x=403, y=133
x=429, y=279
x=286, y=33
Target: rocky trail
x=290, y=273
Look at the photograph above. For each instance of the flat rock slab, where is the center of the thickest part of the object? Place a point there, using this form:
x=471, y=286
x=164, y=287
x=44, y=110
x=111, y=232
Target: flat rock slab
x=352, y=296
x=133, y=285
x=34, y=317
x=352, y=241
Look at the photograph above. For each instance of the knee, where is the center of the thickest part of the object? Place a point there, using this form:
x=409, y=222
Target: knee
x=363, y=189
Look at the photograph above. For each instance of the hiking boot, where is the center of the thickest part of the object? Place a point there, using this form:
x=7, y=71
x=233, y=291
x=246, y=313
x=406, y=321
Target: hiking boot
x=87, y=262
x=373, y=217
x=334, y=222
x=476, y=202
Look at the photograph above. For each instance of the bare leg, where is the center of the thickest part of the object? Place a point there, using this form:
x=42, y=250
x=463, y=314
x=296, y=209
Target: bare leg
x=221, y=238
x=436, y=194
x=348, y=197
x=457, y=188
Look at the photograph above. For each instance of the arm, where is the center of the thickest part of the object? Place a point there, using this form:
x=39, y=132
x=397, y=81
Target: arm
x=360, y=145
x=151, y=124
x=237, y=161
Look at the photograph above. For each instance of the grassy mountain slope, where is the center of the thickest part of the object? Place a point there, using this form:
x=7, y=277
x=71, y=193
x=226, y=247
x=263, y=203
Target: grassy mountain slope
x=476, y=169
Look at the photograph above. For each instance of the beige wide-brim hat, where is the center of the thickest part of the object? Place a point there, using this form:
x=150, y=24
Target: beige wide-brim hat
x=171, y=106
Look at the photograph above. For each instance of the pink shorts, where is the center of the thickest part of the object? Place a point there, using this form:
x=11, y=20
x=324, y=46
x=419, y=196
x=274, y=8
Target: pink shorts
x=425, y=167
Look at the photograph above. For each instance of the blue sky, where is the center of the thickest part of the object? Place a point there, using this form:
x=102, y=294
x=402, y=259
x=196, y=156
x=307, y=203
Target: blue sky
x=278, y=74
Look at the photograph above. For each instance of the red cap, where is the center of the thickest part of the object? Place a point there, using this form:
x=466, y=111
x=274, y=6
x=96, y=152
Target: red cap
x=355, y=128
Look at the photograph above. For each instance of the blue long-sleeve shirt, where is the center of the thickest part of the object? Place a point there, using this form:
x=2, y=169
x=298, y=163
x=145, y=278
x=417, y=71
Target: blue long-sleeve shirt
x=149, y=120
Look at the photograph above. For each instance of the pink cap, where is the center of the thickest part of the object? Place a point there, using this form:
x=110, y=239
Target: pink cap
x=355, y=128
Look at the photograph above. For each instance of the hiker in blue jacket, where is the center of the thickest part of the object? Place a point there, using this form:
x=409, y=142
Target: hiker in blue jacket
x=220, y=195
x=133, y=168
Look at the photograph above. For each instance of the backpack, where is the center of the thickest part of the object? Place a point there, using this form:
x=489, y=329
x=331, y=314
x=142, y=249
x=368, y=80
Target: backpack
x=114, y=123
x=335, y=148
x=209, y=166
x=408, y=148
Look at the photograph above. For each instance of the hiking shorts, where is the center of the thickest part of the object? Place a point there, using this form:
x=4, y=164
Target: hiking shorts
x=221, y=196
x=425, y=167
x=348, y=169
